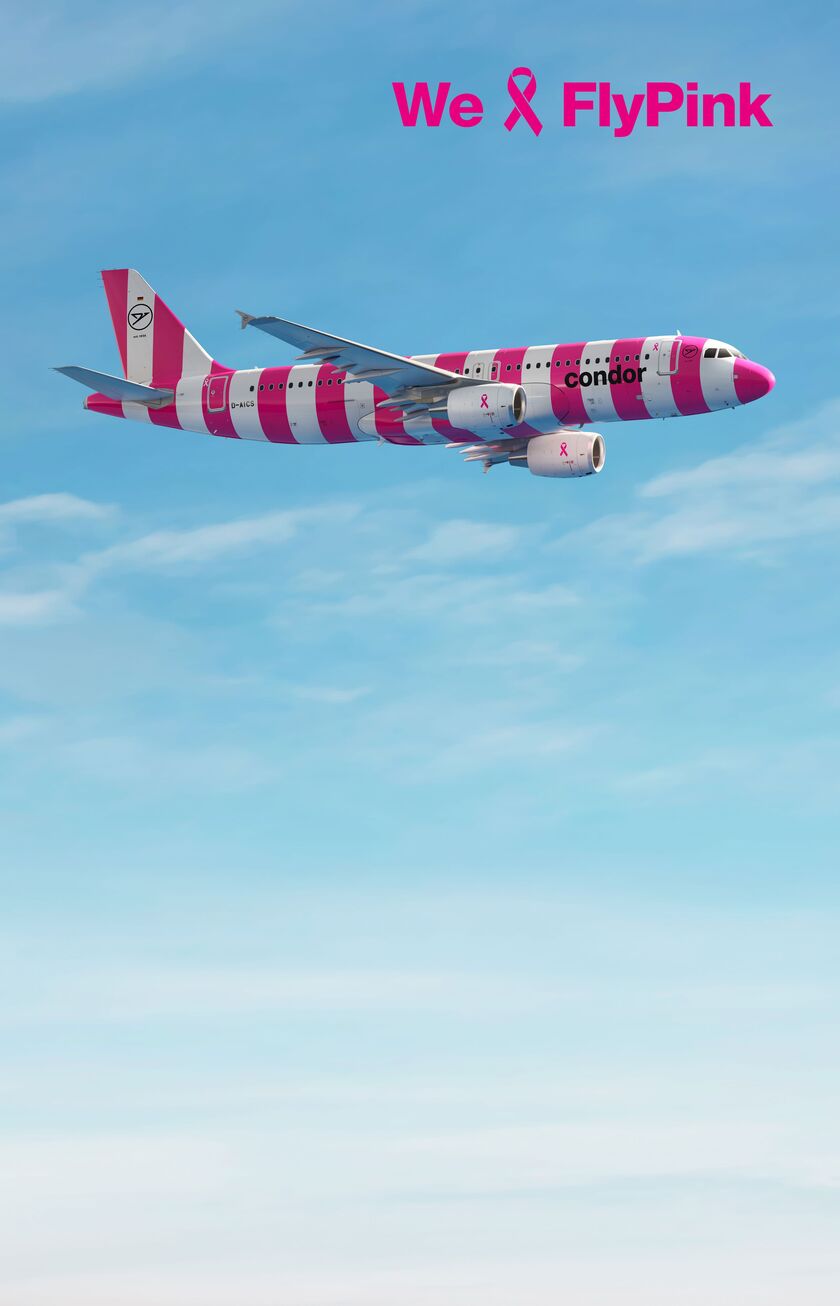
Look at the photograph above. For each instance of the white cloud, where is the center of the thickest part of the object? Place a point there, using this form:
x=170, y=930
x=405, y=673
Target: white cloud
x=748, y=502
x=467, y=541
x=208, y=768
x=56, y=49
x=197, y=545
x=36, y=608
x=46, y=508
x=331, y=695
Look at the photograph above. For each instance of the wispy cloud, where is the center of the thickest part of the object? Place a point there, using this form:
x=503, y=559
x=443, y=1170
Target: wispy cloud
x=161, y=550
x=748, y=502
x=465, y=541
x=44, y=509
x=57, y=49
x=38, y=607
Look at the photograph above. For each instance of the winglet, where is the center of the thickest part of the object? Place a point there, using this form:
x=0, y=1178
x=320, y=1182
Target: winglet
x=246, y=318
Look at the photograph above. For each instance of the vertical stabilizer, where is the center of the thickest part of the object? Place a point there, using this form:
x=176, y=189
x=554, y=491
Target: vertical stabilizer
x=155, y=347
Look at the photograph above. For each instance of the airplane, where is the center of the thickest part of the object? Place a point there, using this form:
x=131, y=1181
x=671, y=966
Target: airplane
x=528, y=407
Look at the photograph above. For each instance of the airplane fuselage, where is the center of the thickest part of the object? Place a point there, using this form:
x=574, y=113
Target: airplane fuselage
x=567, y=385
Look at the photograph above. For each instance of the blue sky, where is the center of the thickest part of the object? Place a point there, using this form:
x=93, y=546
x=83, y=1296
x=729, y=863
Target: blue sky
x=418, y=887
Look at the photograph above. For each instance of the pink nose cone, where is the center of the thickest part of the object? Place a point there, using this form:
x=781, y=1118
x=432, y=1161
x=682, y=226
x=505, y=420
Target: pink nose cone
x=752, y=381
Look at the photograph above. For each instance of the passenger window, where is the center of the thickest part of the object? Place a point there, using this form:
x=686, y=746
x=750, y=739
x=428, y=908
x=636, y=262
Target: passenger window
x=251, y=388
x=271, y=387
x=262, y=387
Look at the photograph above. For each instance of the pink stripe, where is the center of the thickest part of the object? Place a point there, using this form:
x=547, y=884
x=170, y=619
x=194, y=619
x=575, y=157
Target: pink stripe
x=116, y=290
x=566, y=400
x=452, y=363
x=627, y=395
x=218, y=422
x=330, y=408
x=686, y=387
x=390, y=424
x=97, y=403
x=271, y=405
x=167, y=346
x=167, y=360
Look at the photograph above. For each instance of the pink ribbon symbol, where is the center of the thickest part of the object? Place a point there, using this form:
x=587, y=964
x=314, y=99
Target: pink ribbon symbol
x=522, y=101
x=484, y=403
x=564, y=452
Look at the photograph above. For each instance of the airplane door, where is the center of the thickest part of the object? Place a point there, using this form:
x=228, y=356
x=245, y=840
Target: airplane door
x=669, y=356
x=217, y=393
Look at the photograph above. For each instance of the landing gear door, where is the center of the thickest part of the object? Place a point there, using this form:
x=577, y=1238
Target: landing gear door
x=669, y=356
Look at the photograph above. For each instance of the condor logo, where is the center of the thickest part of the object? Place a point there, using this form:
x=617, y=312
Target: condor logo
x=615, y=376
x=140, y=317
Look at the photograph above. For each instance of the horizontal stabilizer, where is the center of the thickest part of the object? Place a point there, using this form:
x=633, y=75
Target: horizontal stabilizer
x=116, y=387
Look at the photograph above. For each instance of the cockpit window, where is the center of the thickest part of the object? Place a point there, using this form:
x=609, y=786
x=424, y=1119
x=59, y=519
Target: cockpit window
x=736, y=353
x=724, y=353
x=710, y=353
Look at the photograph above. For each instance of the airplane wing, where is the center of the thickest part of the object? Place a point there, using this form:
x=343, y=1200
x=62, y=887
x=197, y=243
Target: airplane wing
x=417, y=384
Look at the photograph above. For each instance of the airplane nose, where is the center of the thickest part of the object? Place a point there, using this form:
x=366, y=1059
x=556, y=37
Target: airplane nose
x=752, y=381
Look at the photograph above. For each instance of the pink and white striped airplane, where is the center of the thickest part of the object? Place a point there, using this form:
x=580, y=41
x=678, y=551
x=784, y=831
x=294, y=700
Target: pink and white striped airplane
x=528, y=407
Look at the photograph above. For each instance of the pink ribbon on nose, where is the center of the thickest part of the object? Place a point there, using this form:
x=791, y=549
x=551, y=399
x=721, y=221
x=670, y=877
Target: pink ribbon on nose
x=522, y=101
x=484, y=403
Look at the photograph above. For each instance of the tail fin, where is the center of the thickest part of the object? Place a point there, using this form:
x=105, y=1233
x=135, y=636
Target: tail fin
x=155, y=347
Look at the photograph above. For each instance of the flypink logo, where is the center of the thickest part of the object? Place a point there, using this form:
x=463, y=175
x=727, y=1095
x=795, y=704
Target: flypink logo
x=522, y=101
x=654, y=104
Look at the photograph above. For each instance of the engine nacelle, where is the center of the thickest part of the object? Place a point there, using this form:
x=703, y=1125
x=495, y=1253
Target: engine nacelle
x=563, y=453
x=486, y=407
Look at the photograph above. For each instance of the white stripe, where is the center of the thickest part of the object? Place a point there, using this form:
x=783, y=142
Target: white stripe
x=139, y=343
x=537, y=382
x=246, y=418
x=196, y=361
x=136, y=412
x=717, y=379
x=657, y=392
x=300, y=405
x=188, y=404
x=597, y=399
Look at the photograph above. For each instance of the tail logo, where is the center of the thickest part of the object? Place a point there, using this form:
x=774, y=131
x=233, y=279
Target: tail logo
x=140, y=317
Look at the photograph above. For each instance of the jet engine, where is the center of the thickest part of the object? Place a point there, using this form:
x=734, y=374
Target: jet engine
x=486, y=407
x=563, y=453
